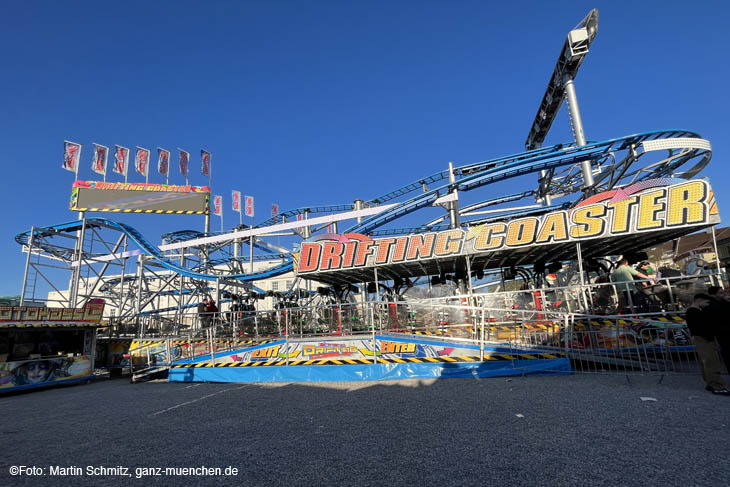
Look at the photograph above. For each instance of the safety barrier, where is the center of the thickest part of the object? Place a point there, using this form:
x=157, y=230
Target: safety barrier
x=649, y=342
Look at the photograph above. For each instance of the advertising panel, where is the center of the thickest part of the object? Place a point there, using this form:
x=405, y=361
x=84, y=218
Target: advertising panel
x=44, y=371
x=139, y=198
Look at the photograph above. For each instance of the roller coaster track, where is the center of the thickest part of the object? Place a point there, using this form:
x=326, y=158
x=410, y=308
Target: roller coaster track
x=614, y=161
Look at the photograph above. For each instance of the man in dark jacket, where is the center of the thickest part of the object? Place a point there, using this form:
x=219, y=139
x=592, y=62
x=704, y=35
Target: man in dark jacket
x=720, y=311
x=701, y=323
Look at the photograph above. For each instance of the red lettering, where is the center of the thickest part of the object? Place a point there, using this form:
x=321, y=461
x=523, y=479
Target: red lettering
x=363, y=250
x=349, y=254
x=399, y=252
x=331, y=256
x=383, y=247
x=420, y=246
x=309, y=257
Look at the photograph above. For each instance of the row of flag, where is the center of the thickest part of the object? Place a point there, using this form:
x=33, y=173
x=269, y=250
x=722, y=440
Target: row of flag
x=72, y=156
x=236, y=205
x=249, y=208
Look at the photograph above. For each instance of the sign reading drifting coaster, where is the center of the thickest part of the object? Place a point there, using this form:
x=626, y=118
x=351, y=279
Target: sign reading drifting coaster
x=140, y=198
x=647, y=206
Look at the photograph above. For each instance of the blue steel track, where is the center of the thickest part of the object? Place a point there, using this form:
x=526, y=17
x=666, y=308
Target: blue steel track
x=467, y=178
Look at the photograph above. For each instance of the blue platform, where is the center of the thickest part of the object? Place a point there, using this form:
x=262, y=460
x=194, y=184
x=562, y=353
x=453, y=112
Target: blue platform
x=371, y=372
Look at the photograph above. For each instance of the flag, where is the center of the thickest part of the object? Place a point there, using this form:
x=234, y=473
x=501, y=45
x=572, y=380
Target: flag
x=218, y=205
x=205, y=160
x=141, y=161
x=121, y=159
x=163, y=162
x=101, y=154
x=274, y=210
x=331, y=228
x=236, y=195
x=184, y=158
x=71, y=155
x=249, y=206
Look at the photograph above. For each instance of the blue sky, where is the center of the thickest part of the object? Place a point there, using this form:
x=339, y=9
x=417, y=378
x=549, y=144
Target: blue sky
x=323, y=102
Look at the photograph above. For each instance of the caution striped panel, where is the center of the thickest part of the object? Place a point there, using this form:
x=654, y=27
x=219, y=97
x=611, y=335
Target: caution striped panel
x=136, y=210
x=380, y=360
x=63, y=324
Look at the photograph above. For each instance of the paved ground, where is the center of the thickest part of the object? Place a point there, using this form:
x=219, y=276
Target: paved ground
x=575, y=430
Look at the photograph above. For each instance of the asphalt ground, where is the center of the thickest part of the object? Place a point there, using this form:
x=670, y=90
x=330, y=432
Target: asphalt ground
x=572, y=430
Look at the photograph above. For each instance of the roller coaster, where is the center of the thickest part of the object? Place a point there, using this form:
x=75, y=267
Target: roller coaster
x=188, y=264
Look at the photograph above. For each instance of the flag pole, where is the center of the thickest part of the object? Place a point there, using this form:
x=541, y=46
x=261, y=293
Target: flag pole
x=251, y=241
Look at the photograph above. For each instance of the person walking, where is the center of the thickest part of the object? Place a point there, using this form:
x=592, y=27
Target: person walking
x=702, y=327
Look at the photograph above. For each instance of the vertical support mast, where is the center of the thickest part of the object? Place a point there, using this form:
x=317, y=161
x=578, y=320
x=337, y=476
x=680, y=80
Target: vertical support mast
x=578, y=134
x=561, y=86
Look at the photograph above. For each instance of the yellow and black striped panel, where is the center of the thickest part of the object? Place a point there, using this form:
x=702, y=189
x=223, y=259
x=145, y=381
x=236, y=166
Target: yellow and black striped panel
x=36, y=324
x=380, y=360
x=137, y=210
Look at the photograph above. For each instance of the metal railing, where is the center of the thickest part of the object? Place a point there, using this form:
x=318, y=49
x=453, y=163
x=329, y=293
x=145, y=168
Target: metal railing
x=637, y=339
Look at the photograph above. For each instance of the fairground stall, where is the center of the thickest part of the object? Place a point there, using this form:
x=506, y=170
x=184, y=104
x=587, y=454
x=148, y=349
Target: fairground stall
x=47, y=346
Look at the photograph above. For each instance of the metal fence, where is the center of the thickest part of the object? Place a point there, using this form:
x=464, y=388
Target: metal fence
x=640, y=343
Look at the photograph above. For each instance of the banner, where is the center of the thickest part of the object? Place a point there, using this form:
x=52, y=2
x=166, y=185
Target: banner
x=141, y=161
x=218, y=205
x=274, y=210
x=617, y=218
x=71, y=155
x=236, y=201
x=101, y=154
x=121, y=160
x=249, y=206
x=163, y=162
x=121, y=197
x=184, y=159
x=205, y=161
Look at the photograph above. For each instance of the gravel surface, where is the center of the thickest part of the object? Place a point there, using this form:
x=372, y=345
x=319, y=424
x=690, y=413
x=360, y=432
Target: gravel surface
x=564, y=430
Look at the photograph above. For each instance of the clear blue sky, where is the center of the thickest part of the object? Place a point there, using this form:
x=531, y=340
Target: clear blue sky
x=322, y=102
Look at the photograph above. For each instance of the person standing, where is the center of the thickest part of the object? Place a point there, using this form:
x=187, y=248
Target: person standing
x=203, y=313
x=212, y=312
x=719, y=310
x=700, y=323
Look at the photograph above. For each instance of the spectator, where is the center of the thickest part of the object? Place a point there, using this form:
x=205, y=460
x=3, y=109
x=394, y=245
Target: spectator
x=203, y=313
x=719, y=309
x=702, y=327
x=212, y=311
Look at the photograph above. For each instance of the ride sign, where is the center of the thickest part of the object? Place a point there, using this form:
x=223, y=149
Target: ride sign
x=648, y=206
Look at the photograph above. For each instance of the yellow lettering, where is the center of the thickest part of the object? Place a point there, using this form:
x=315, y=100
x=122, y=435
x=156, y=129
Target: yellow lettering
x=554, y=228
x=649, y=208
x=621, y=214
x=587, y=221
x=686, y=204
x=490, y=238
x=521, y=231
